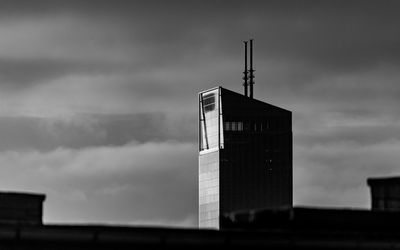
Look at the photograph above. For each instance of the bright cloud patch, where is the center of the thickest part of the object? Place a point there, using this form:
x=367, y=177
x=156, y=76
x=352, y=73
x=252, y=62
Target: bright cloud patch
x=152, y=182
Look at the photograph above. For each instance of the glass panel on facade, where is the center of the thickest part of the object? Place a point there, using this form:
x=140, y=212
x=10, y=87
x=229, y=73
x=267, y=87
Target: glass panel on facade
x=209, y=102
x=226, y=126
x=240, y=126
x=233, y=126
x=209, y=120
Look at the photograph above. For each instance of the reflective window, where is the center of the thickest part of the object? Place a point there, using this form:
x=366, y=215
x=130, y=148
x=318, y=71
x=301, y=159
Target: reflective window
x=210, y=120
x=209, y=102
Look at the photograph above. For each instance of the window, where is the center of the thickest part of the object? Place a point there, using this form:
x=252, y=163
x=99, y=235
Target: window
x=209, y=102
x=265, y=125
x=227, y=126
x=233, y=126
x=240, y=126
x=247, y=126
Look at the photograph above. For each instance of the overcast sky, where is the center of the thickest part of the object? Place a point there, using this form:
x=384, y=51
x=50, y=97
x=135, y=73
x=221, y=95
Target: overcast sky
x=98, y=99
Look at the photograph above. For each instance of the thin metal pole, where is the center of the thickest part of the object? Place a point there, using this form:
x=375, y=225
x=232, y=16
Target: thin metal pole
x=251, y=69
x=245, y=69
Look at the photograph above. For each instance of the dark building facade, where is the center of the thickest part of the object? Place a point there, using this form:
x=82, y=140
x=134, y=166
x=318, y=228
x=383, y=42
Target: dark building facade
x=21, y=208
x=385, y=193
x=296, y=228
x=245, y=155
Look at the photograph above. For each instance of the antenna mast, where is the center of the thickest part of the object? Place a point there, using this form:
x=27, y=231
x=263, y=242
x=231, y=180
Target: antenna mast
x=251, y=69
x=245, y=78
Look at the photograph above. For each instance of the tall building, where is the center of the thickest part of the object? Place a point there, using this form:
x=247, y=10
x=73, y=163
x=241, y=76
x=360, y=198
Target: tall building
x=245, y=155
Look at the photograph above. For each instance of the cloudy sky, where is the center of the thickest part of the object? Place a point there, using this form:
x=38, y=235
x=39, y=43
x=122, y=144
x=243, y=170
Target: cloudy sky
x=98, y=99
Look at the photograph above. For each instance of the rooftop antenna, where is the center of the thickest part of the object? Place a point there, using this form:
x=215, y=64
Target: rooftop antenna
x=251, y=71
x=245, y=78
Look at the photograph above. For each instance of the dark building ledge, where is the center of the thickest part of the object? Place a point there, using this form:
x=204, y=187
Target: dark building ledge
x=304, y=218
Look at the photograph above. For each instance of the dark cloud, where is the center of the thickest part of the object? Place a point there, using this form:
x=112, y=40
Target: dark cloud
x=29, y=133
x=20, y=73
x=46, y=134
x=321, y=37
x=121, y=129
x=359, y=135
